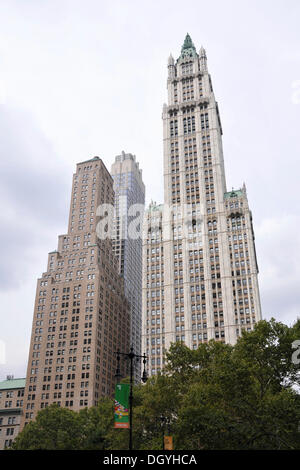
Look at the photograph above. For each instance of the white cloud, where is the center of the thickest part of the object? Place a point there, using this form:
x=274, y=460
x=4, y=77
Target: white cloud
x=81, y=79
x=278, y=246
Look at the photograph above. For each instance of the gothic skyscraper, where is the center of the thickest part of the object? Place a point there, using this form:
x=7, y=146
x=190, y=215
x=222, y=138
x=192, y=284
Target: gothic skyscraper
x=199, y=261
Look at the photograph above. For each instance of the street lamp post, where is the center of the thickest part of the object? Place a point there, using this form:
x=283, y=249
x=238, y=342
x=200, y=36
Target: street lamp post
x=131, y=356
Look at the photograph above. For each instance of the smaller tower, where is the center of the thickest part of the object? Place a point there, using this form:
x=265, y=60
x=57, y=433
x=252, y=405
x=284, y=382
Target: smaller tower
x=202, y=60
x=171, y=67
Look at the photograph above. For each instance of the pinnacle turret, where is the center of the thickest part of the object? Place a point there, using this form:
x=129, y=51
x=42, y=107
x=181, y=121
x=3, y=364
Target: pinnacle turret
x=202, y=52
x=171, y=60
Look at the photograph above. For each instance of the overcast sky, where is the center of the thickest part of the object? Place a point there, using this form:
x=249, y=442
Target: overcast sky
x=81, y=78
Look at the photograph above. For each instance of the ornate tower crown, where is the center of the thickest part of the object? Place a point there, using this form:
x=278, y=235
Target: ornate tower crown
x=188, y=49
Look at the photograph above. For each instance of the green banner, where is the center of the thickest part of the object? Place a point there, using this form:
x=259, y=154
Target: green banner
x=122, y=406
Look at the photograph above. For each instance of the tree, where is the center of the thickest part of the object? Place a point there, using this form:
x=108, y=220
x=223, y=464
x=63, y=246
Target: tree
x=243, y=397
x=96, y=423
x=54, y=428
x=219, y=396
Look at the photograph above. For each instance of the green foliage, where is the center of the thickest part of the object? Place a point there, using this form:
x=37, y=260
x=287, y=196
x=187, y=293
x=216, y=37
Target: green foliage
x=216, y=397
x=54, y=428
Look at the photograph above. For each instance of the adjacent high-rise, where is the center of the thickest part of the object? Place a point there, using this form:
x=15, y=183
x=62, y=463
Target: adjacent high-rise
x=81, y=314
x=129, y=205
x=199, y=261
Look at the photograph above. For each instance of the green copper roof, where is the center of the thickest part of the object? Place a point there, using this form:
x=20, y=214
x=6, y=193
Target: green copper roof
x=188, y=43
x=188, y=49
x=233, y=193
x=12, y=383
x=154, y=207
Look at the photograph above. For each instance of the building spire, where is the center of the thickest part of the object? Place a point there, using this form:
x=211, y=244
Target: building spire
x=188, y=48
x=188, y=43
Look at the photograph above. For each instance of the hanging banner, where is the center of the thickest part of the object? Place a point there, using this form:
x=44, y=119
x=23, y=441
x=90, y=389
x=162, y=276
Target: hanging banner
x=122, y=406
x=168, y=442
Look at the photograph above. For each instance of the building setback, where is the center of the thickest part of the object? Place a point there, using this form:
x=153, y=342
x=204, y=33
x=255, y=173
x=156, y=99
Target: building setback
x=11, y=409
x=199, y=262
x=129, y=194
x=81, y=315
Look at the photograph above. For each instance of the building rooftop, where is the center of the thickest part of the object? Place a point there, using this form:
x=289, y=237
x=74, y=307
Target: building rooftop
x=125, y=156
x=89, y=160
x=188, y=49
x=9, y=384
x=233, y=193
x=153, y=207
